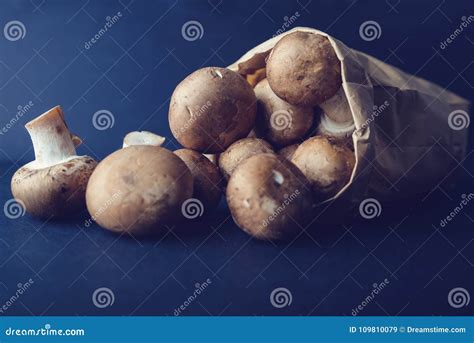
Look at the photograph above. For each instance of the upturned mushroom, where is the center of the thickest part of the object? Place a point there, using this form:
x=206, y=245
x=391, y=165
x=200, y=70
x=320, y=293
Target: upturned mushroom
x=54, y=184
x=279, y=122
x=212, y=108
x=327, y=163
x=336, y=119
x=269, y=197
x=303, y=69
x=139, y=189
x=329, y=127
x=142, y=138
x=240, y=151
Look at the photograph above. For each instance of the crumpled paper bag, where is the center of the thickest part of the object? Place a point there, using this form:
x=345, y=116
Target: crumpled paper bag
x=409, y=134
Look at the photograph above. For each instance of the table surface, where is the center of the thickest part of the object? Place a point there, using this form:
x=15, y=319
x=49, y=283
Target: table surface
x=131, y=71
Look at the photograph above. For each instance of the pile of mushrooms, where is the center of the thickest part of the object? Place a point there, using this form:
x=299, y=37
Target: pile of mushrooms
x=277, y=139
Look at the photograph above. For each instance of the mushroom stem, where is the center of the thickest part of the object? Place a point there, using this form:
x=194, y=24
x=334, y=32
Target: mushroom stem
x=142, y=138
x=52, y=141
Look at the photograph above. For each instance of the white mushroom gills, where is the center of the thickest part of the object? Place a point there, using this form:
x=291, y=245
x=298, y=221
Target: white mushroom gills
x=337, y=108
x=142, y=138
x=327, y=126
x=52, y=141
x=218, y=73
x=211, y=157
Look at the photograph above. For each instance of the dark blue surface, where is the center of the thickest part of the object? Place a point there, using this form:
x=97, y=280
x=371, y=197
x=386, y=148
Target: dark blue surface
x=131, y=71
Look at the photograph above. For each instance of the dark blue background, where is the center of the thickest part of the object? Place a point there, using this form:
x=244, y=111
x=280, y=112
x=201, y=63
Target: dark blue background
x=132, y=71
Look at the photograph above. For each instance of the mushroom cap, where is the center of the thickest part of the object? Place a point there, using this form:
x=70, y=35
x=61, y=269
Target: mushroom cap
x=58, y=190
x=212, y=108
x=206, y=175
x=288, y=151
x=327, y=164
x=138, y=190
x=268, y=197
x=303, y=69
x=277, y=121
x=240, y=151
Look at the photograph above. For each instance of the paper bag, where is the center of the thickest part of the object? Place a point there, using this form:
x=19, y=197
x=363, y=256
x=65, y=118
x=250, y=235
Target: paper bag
x=410, y=134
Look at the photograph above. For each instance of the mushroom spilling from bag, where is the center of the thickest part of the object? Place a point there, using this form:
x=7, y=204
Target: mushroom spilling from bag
x=54, y=184
x=139, y=189
x=212, y=108
x=326, y=163
x=240, y=151
x=279, y=122
x=386, y=134
x=298, y=122
x=269, y=197
x=303, y=69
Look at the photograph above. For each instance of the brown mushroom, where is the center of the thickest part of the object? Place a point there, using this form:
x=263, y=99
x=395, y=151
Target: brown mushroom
x=303, y=69
x=268, y=197
x=326, y=163
x=279, y=122
x=54, y=184
x=239, y=152
x=139, y=190
x=212, y=108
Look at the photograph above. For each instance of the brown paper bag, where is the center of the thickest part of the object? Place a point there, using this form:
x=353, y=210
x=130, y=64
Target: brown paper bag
x=408, y=148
